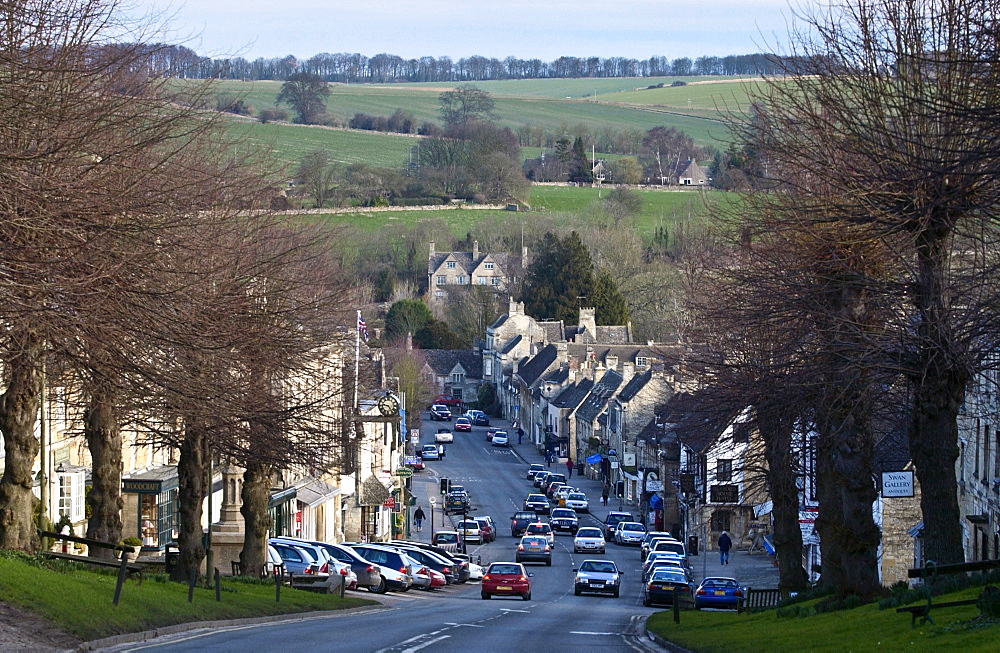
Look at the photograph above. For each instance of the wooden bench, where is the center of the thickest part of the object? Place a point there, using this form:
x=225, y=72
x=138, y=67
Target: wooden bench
x=929, y=572
x=759, y=599
x=124, y=567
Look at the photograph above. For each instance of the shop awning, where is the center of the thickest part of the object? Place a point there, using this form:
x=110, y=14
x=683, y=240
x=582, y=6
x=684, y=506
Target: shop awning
x=655, y=502
x=313, y=492
x=631, y=477
x=280, y=496
x=593, y=460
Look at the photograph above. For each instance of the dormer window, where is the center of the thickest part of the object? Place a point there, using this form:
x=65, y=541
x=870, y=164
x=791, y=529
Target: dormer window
x=641, y=361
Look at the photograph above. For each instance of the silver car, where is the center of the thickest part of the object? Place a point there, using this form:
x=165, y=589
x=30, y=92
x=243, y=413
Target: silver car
x=629, y=532
x=601, y=576
x=590, y=539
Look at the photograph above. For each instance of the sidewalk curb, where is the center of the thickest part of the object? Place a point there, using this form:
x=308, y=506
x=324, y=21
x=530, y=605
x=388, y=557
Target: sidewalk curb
x=670, y=646
x=142, y=636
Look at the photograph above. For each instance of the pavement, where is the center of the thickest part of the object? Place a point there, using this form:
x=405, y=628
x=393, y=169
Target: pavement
x=751, y=570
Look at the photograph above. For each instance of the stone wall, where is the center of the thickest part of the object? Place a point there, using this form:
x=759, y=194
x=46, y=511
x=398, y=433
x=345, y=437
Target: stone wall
x=899, y=515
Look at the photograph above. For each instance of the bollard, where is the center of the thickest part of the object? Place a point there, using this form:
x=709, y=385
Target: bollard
x=218, y=587
x=677, y=608
x=343, y=585
x=277, y=587
x=191, y=577
x=122, y=572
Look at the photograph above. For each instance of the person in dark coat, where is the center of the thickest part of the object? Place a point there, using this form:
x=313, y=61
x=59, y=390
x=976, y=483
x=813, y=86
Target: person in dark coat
x=418, y=518
x=725, y=543
x=604, y=494
x=520, y=434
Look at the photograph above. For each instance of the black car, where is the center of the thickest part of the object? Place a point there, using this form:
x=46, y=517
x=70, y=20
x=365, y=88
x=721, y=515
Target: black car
x=536, y=502
x=614, y=518
x=552, y=478
x=564, y=519
x=667, y=586
x=440, y=413
x=478, y=418
x=520, y=520
x=456, y=503
x=461, y=564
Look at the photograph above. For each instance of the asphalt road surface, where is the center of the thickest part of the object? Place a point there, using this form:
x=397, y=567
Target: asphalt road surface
x=456, y=618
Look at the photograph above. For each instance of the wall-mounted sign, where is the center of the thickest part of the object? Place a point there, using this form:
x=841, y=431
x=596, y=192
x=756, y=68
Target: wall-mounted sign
x=653, y=486
x=897, y=484
x=628, y=459
x=724, y=494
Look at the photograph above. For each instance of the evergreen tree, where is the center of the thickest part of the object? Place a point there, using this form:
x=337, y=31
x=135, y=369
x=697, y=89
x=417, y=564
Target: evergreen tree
x=436, y=335
x=560, y=276
x=582, y=171
x=608, y=301
x=406, y=316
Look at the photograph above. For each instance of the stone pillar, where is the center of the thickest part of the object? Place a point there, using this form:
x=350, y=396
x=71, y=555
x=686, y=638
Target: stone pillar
x=227, y=533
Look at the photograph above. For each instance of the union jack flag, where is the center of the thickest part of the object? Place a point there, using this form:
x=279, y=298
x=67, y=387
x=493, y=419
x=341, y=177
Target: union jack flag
x=362, y=329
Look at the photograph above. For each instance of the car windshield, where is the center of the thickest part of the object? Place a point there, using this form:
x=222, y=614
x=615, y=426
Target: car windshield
x=599, y=567
x=430, y=447
x=669, y=576
x=563, y=512
x=633, y=526
x=589, y=532
x=468, y=524
x=537, y=497
x=535, y=467
x=577, y=497
x=504, y=569
x=614, y=519
x=675, y=547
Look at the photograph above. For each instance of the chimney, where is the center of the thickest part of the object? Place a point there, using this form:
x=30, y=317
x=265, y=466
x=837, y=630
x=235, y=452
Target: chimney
x=432, y=249
x=588, y=320
x=475, y=251
x=628, y=371
x=524, y=257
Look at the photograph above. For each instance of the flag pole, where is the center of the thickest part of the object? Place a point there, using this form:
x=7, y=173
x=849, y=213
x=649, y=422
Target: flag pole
x=357, y=356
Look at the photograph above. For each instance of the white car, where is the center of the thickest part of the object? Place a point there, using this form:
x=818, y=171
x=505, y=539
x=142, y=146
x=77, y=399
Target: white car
x=578, y=501
x=444, y=436
x=541, y=529
x=500, y=439
x=589, y=539
x=469, y=531
x=629, y=532
x=475, y=572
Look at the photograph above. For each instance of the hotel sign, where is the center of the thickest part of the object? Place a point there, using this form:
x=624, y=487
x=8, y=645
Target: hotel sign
x=897, y=484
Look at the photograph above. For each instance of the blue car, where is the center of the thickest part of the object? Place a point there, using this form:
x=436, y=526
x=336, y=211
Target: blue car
x=718, y=593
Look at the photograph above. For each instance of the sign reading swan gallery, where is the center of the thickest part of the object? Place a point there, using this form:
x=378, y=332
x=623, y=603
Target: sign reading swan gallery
x=897, y=484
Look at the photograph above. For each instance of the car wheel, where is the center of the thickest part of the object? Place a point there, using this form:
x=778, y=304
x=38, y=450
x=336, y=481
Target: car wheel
x=548, y=563
x=615, y=594
x=647, y=603
x=576, y=591
x=486, y=597
x=527, y=597
x=405, y=588
x=381, y=588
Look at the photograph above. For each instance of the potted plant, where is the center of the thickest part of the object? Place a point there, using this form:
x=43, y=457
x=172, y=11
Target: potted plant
x=135, y=543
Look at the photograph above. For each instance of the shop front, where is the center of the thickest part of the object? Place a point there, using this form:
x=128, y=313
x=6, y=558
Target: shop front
x=149, y=509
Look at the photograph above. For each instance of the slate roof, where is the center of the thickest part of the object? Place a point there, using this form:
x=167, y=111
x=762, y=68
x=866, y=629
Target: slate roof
x=555, y=331
x=536, y=366
x=510, y=344
x=696, y=425
x=443, y=361
x=571, y=397
x=595, y=402
x=606, y=335
x=635, y=384
x=558, y=375
x=500, y=320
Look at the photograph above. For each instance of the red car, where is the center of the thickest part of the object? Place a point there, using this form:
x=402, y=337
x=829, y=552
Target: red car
x=463, y=424
x=447, y=400
x=506, y=579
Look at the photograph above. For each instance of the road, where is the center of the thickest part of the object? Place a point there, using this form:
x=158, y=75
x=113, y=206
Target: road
x=456, y=618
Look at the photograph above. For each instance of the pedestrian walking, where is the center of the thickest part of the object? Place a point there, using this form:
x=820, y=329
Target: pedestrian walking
x=569, y=468
x=725, y=543
x=604, y=494
x=548, y=459
x=520, y=434
x=418, y=518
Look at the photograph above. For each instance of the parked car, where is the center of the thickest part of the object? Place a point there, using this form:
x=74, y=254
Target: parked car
x=456, y=503
x=500, y=439
x=667, y=564
x=672, y=546
x=629, y=532
x=647, y=539
x=589, y=538
x=421, y=577
x=459, y=561
x=463, y=424
x=614, y=517
x=554, y=477
x=448, y=400
x=540, y=477
x=542, y=529
x=440, y=413
x=296, y=559
x=368, y=575
x=430, y=452
x=444, y=436
x=534, y=548
x=418, y=464
x=489, y=434
x=395, y=567
x=447, y=540
x=656, y=556
x=488, y=528
x=506, y=579
x=537, y=503
x=478, y=417
x=718, y=592
x=437, y=578
x=602, y=576
x=550, y=491
x=469, y=531
x=666, y=586
x=564, y=519
x=578, y=501
x=475, y=571
x=432, y=560
x=533, y=469
x=519, y=521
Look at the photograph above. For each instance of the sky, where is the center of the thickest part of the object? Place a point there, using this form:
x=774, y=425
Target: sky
x=526, y=29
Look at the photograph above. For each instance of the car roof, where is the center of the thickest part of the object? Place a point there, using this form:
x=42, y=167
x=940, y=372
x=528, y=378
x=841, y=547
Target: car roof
x=615, y=513
x=728, y=580
x=590, y=528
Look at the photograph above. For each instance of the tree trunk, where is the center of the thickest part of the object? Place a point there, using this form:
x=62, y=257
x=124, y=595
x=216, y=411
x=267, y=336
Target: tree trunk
x=782, y=467
x=18, y=412
x=846, y=491
x=104, y=439
x=191, y=492
x=256, y=518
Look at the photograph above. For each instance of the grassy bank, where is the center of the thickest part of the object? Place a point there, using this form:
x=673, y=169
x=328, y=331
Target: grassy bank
x=865, y=628
x=80, y=601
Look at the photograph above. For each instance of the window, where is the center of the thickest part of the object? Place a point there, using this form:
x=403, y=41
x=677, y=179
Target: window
x=481, y=281
x=996, y=460
x=741, y=432
x=724, y=470
x=975, y=451
x=442, y=279
x=722, y=520
x=495, y=281
x=488, y=266
x=450, y=265
x=458, y=377
x=641, y=361
x=439, y=294
x=71, y=496
x=460, y=280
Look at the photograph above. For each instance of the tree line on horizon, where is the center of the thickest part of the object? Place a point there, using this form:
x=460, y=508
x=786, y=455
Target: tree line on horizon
x=344, y=67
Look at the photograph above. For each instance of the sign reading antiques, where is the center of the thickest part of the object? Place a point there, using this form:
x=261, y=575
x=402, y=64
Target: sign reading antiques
x=897, y=484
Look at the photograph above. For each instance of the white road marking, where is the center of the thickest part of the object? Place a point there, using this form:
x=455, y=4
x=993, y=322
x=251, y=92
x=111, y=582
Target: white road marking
x=426, y=644
x=449, y=623
x=509, y=610
x=587, y=632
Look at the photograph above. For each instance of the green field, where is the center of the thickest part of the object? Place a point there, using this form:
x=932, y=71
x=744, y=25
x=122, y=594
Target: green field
x=558, y=88
x=288, y=143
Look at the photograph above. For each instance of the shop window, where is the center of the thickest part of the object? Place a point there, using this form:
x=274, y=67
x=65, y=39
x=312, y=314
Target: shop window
x=722, y=520
x=72, y=494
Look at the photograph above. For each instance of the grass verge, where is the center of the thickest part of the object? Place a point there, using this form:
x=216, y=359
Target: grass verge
x=865, y=628
x=80, y=601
